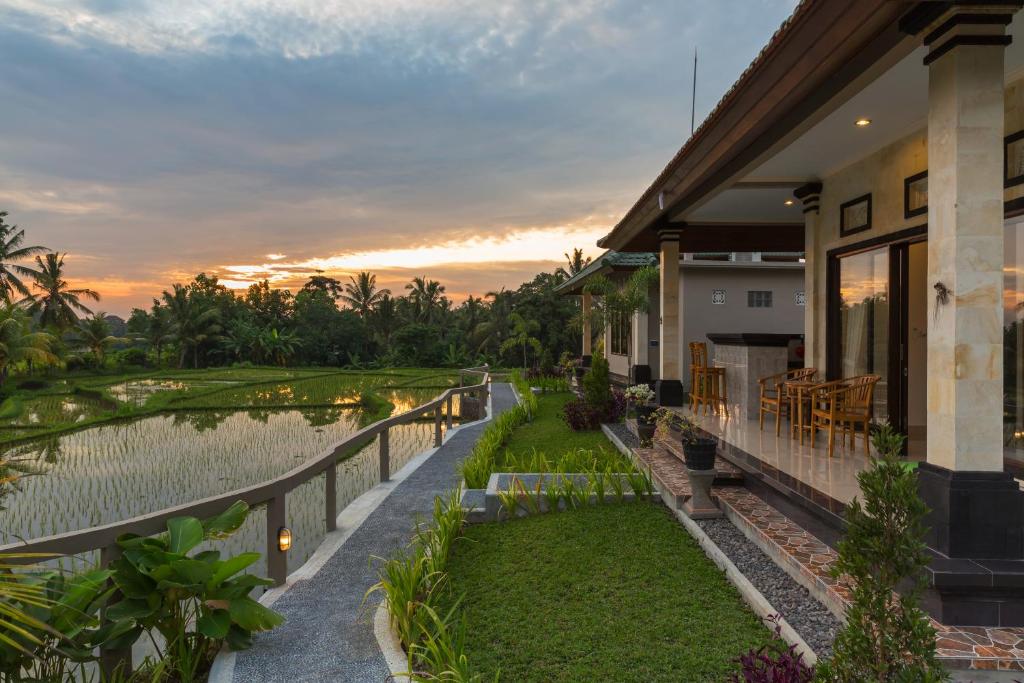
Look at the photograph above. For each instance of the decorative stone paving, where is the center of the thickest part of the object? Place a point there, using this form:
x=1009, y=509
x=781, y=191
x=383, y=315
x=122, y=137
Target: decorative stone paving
x=809, y=561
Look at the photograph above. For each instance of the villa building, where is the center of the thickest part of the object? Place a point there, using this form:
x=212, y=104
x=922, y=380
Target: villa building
x=886, y=141
x=719, y=293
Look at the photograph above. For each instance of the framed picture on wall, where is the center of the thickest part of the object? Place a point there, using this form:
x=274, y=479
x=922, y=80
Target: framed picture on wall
x=855, y=216
x=1013, y=159
x=915, y=195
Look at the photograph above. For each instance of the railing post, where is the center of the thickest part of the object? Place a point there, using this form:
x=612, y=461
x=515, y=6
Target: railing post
x=450, y=404
x=437, y=426
x=385, y=454
x=277, y=561
x=118, y=661
x=331, y=498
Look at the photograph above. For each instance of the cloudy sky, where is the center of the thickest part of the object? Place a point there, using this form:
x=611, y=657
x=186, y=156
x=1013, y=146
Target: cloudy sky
x=473, y=141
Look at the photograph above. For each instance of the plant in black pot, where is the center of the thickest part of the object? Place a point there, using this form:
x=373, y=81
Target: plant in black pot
x=699, y=451
x=641, y=397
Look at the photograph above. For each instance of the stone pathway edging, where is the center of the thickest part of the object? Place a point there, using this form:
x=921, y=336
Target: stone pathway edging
x=351, y=522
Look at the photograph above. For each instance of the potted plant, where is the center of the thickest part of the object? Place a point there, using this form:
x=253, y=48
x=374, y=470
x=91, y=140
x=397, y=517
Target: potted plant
x=641, y=396
x=698, y=451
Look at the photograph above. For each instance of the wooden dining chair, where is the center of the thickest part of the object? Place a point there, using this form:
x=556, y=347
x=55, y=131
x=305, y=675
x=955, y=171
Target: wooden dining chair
x=773, y=399
x=846, y=404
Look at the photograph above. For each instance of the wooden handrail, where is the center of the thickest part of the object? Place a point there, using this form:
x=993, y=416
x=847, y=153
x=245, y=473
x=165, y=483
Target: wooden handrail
x=267, y=492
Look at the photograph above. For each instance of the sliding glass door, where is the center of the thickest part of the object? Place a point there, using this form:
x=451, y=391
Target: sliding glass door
x=863, y=321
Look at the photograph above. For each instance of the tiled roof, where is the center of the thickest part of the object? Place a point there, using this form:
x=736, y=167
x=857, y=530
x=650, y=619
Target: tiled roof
x=609, y=259
x=748, y=74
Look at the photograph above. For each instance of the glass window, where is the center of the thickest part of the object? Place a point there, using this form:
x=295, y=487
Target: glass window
x=759, y=299
x=1013, y=346
x=864, y=321
x=620, y=331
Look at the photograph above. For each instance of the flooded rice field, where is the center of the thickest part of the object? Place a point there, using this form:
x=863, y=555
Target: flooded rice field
x=119, y=470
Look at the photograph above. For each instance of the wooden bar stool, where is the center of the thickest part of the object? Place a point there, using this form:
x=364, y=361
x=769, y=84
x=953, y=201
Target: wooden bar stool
x=707, y=382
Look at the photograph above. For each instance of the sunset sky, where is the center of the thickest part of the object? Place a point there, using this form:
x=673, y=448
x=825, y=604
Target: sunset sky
x=472, y=141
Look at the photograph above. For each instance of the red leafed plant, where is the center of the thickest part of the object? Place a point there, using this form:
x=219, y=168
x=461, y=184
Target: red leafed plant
x=773, y=662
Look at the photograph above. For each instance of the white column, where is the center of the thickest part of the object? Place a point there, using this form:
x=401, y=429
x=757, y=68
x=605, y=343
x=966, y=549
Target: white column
x=965, y=246
x=669, y=388
x=814, y=332
x=587, y=336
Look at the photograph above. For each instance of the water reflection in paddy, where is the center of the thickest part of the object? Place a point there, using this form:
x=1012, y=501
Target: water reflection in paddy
x=117, y=471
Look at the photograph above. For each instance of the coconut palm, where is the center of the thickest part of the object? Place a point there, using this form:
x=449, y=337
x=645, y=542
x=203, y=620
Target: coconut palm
x=158, y=329
x=191, y=323
x=11, y=250
x=522, y=336
x=19, y=343
x=385, y=318
x=575, y=263
x=56, y=304
x=94, y=334
x=426, y=297
x=491, y=333
x=361, y=293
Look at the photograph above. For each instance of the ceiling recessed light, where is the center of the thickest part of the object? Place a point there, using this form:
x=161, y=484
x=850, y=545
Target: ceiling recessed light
x=861, y=122
x=788, y=202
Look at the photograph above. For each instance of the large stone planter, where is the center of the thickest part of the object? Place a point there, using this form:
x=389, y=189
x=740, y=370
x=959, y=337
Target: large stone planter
x=700, y=454
x=701, y=505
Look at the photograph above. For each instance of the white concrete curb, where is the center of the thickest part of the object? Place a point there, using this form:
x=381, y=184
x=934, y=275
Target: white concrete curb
x=349, y=519
x=389, y=644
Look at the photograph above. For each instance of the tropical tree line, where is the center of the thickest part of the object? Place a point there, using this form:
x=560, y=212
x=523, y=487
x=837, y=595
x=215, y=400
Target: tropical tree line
x=351, y=322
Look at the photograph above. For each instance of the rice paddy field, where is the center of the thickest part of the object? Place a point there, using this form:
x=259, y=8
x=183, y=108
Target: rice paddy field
x=159, y=441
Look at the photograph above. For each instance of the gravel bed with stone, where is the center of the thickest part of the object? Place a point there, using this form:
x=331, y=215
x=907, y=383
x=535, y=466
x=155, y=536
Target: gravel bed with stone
x=627, y=437
x=811, y=619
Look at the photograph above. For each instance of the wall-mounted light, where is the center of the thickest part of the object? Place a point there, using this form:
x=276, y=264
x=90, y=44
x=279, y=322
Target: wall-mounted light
x=862, y=122
x=788, y=202
x=284, y=539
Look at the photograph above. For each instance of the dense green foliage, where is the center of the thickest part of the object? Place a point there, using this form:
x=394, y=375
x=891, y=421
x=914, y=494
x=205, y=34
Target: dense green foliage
x=601, y=593
x=187, y=605
x=887, y=636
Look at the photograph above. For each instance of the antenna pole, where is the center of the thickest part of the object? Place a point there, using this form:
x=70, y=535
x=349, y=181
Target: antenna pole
x=693, y=96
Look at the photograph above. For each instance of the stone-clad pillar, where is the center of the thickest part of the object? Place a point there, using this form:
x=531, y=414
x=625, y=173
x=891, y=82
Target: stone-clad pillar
x=814, y=300
x=977, y=511
x=587, y=334
x=669, y=388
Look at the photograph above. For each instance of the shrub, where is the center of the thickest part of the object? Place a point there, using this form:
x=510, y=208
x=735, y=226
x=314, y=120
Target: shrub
x=580, y=415
x=774, y=662
x=133, y=356
x=33, y=384
x=597, y=387
x=887, y=636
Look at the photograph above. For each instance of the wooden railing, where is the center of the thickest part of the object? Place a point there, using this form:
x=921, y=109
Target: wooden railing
x=272, y=493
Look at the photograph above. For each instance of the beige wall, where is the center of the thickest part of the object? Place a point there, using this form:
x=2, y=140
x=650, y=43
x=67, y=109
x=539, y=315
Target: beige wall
x=881, y=173
x=701, y=317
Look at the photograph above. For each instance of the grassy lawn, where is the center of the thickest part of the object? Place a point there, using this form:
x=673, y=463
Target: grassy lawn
x=549, y=433
x=604, y=593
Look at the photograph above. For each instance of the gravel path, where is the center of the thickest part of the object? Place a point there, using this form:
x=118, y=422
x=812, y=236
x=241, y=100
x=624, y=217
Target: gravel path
x=811, y=619
x=328, y=632
x=627, y=437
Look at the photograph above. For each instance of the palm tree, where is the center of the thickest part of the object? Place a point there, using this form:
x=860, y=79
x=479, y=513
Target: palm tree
x=492, y=332
x=522, y=336
x=94, y=334
x=11, y=250
x=385, y=318
x=191, y=324
x=361, y=293
x=18, y=343
x=56, y=304
x=576, y=263
x=426, y=296
x=159, y=329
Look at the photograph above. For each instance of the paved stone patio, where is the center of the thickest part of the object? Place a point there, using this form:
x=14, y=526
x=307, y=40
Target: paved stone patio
x=328, y=632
